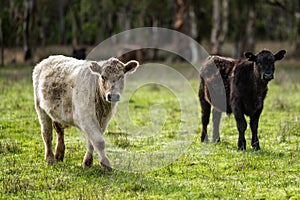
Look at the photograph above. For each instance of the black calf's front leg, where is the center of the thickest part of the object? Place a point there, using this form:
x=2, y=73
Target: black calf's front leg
x=241, y=126
x=254, y=125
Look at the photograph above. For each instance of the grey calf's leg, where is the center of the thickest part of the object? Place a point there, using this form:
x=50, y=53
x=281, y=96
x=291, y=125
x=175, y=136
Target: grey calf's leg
x=99, y=145
x=216, y=123
x=88, y=158
x=60, y=144
x=46, y=130
x=97, y=140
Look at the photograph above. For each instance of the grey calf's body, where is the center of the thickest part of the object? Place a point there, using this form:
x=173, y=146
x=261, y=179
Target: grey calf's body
x=71, y=92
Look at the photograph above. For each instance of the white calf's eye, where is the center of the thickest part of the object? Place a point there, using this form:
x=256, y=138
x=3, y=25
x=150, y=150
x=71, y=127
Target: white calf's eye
x=103, y=78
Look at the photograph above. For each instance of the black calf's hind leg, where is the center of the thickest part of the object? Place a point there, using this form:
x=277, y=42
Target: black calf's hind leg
x=216, y=123
x=205, y=118
x=60, y=143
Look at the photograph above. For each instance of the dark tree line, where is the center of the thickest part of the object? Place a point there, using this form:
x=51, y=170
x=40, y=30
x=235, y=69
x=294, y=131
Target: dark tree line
x=33, y=23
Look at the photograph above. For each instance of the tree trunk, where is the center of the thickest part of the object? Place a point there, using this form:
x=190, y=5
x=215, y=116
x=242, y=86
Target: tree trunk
x=124, y=18
x=224, y=30
x=200, y=19
x=74, y=34
x=248, y=40
x=99, y=34
x=76, y=25
x=297, y=37
x=219, y=25
x=62, y=21
x=28, y=5
x=246, y=32
x=2, y=44
x=181, y=23
x=216, y=21
x=193, y=23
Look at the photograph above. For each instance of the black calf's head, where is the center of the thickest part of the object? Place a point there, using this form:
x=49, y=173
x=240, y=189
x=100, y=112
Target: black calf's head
x=264, y=61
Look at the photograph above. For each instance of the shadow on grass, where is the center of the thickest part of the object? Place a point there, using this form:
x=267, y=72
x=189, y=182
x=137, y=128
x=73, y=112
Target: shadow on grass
x=226, y=147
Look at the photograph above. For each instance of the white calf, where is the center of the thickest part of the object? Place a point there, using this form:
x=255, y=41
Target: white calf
x=80, y=93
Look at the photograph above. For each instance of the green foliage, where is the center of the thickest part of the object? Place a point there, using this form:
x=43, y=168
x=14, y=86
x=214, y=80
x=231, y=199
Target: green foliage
x=4, y=15
x=89, y=22
x=89, y=29
x=209, y=171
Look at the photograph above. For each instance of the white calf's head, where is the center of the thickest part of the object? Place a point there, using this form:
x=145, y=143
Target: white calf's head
x=111, y=74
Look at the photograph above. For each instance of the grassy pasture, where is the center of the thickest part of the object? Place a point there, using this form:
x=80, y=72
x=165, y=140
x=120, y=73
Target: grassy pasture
x=201, y=171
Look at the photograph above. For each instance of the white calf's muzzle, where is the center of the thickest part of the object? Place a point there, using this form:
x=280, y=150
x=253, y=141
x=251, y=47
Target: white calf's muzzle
x=113, y=97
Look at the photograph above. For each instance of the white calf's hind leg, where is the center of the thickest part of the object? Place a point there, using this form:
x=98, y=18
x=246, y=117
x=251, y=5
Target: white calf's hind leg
x=60, y=143
x=46, y=130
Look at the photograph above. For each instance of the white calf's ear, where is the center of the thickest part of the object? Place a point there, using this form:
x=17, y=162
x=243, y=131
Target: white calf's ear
x=131, y=66
x=95, y=68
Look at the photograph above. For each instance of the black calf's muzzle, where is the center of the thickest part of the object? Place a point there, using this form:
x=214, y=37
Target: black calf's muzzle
x=111, y=97
x=268, y=76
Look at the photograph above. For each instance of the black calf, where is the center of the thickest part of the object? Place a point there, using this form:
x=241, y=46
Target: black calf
x=246, y=86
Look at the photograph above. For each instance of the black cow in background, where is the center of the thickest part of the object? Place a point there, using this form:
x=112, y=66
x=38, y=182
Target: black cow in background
x=246, y=86
x=79, y=53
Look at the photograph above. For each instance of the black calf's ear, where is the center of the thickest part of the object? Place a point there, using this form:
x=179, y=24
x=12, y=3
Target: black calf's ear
x=280, y=54
x=250, y=56
x=131, y=66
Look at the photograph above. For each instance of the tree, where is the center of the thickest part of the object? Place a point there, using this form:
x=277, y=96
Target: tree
x=296, y=14
x=27, y=19
x=202, y=11
x=249, y=36
x=291, y=14
x=181, y=23
x=297, y=38
x=86, y=22
x=61, y=14
x=76, y=24
x=219, y=25
x=1, y=43
x=244, y=20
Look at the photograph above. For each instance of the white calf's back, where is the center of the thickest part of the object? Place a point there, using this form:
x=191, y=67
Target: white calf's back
x=65, y=89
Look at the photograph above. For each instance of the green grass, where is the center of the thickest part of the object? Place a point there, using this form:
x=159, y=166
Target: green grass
x=198, y=171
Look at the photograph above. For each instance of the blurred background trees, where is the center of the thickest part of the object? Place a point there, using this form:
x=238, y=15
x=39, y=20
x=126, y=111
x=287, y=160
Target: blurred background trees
x=36, y=23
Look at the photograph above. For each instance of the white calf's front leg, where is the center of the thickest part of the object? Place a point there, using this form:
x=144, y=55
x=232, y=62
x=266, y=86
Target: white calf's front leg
x=97, y=141
x=99, y=144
